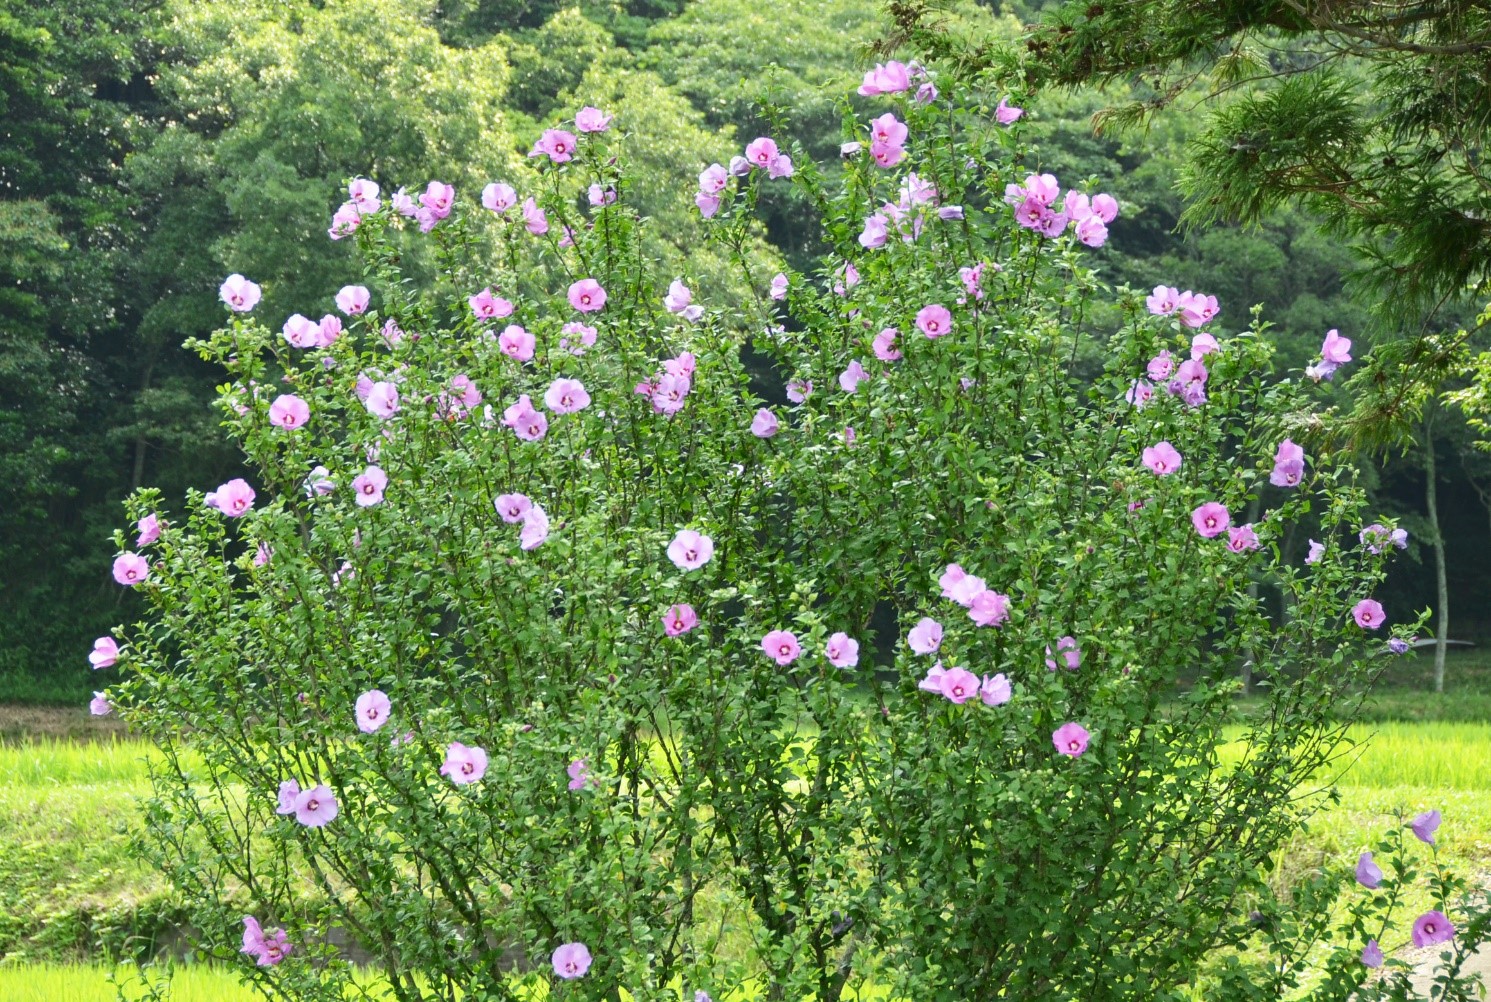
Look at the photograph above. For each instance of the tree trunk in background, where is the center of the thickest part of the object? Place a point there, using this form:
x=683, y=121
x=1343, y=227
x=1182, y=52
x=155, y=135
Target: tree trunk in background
x=1431, y=497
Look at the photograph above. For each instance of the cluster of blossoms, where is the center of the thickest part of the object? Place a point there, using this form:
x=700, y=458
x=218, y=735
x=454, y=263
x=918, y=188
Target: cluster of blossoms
x=670, y=388
x=1034, y=204
x=559, y=145
x=519, y=509
x=761, y=153
x=1186, y=380
x=266, y=950
x=895, y=77
x=906, y=216
x=1334, y=353
x=1429, y=929
x=1192, y=309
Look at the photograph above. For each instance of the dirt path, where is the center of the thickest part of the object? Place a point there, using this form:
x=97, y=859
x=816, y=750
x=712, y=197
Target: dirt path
x=22, y=723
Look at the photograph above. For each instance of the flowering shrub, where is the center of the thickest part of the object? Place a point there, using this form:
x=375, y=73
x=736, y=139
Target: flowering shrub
x=542, y=649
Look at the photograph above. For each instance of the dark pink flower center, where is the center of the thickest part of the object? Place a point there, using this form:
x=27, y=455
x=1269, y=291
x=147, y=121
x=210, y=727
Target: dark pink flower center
x=313, y=805
x=467, y=768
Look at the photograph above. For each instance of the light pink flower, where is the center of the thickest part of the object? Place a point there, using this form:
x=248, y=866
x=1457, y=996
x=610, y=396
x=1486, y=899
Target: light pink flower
x=535, y=528
x=289, y=790
x=464, y=764
x=1006, y=113
x=234, y=498
x=669, y=392
x=884, y=345
x=764, y=425
x=579, y=775
x=266, y=950
x=105, y=652
x=438, y=199
x=708, y=204
x=587, y=296
x=499, y=197
x=302, y=332
x=371, y=710
x=328, y=330
x=781, y=646
x=1336, y=350
x=1139, y=393
x=353, y=299
x=1070, y=739
x=289, y=412
x=1211, y=519
x=589, y=119
x=99, y=705
x=1203, y=344
x=382, y=400
x=1164, y=301
x=486, y=305
x=680, y=300
x=516, y=342
x=315, y=807
x=512, y=507
x=577, y=337
x=679, y=619
x=149, y=529
x=889, y=78
x=959, y=684
x=239, y=293
x=1161, y=366
x=1289, y=465
x=933, y=680
x=690, y=550
x=556, y=144
x=1317, y=550
x=926, y=636
x=1162, y=458
x=344, y=221
x=779, y=287
x=1069, y=653
x=571, y=961
x=761, y=152
x=995, y=690
x=1368, y=614
x=799, y=390
x=713, y=180
x=565, y=396
x=526, y=421
x=934, y=320
x=263, y=554
x=1242, y=539
x=989, y=608
x=842, y=651
x=852, y=376
x=364, y=194
x=369, y=486
x=535, y=220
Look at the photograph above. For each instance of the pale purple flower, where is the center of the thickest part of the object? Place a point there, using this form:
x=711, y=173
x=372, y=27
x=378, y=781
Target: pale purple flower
x=926, y=636
x=368, y=486
x=1431, y=929
x=289, y=412
x=577, y=337
x=499, y=197
x=99, y=705
x=842, y=651
x=464, y=764
x=1162, y=458
x=319, y=483
x=149, y=530
x=535, y=220
x=601, y=197
x=571, y=961
x=1071, y=739
x=690, y=550
x=589, y=119
x=1317, y=550
x=761, y=152
x=302, y=332
x=1091, y=231
x=1139, y=393
x=566, y=396
x=315, y=807
x=1368, y=614
x=1161, y=366
x=670, y=391
x=934, y=320
x=989, y=608
x=1372, y=954
x=679, y=619
x=680, y=300
x=799, y=390
x=438, y=199
x=1368, y=873
x=849, y=149
x=1242, y=539
x=950, y=212
x=556, y=144
x=587, y=296
x=487, y=305
x=1006, y=113
x=960, y=586
x=779, y=287
x=884, y=345
x=933, y=680
x=1164, y=301
x=364, y=194
x=263, y=554
x=1211, y=519
x=1203, y=344
x=1105, y=207
x=1289, y=465
x=105, y=652
x=233, y=499
x=874, y=233
x=344, y=222
x=1336, y=350
x=959, y=685
x=382, y=400
x=765, y=424
x=403, y=204
x=781, y=646
x=852, y=376
x=371, y=710
x=353, y=299
x=535, y=528
x=1196, y=310
x=1425, y=825
x=926, y=93
x=579, y=775
x=516, y=342
x=512, y=507
x=239, y=293
x=266, y=950
x=889, y=78
x=289, y=790
x=1398, y=645
x=1069, y=653
x=995, y=690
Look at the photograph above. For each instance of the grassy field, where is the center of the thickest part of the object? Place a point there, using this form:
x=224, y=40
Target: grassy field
x=70, y=883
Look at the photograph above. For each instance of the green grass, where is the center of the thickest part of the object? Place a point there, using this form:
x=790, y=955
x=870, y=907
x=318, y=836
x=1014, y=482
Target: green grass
x=89, y=983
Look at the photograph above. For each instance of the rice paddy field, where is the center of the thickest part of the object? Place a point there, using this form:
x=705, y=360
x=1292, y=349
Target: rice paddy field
x=72, y=890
